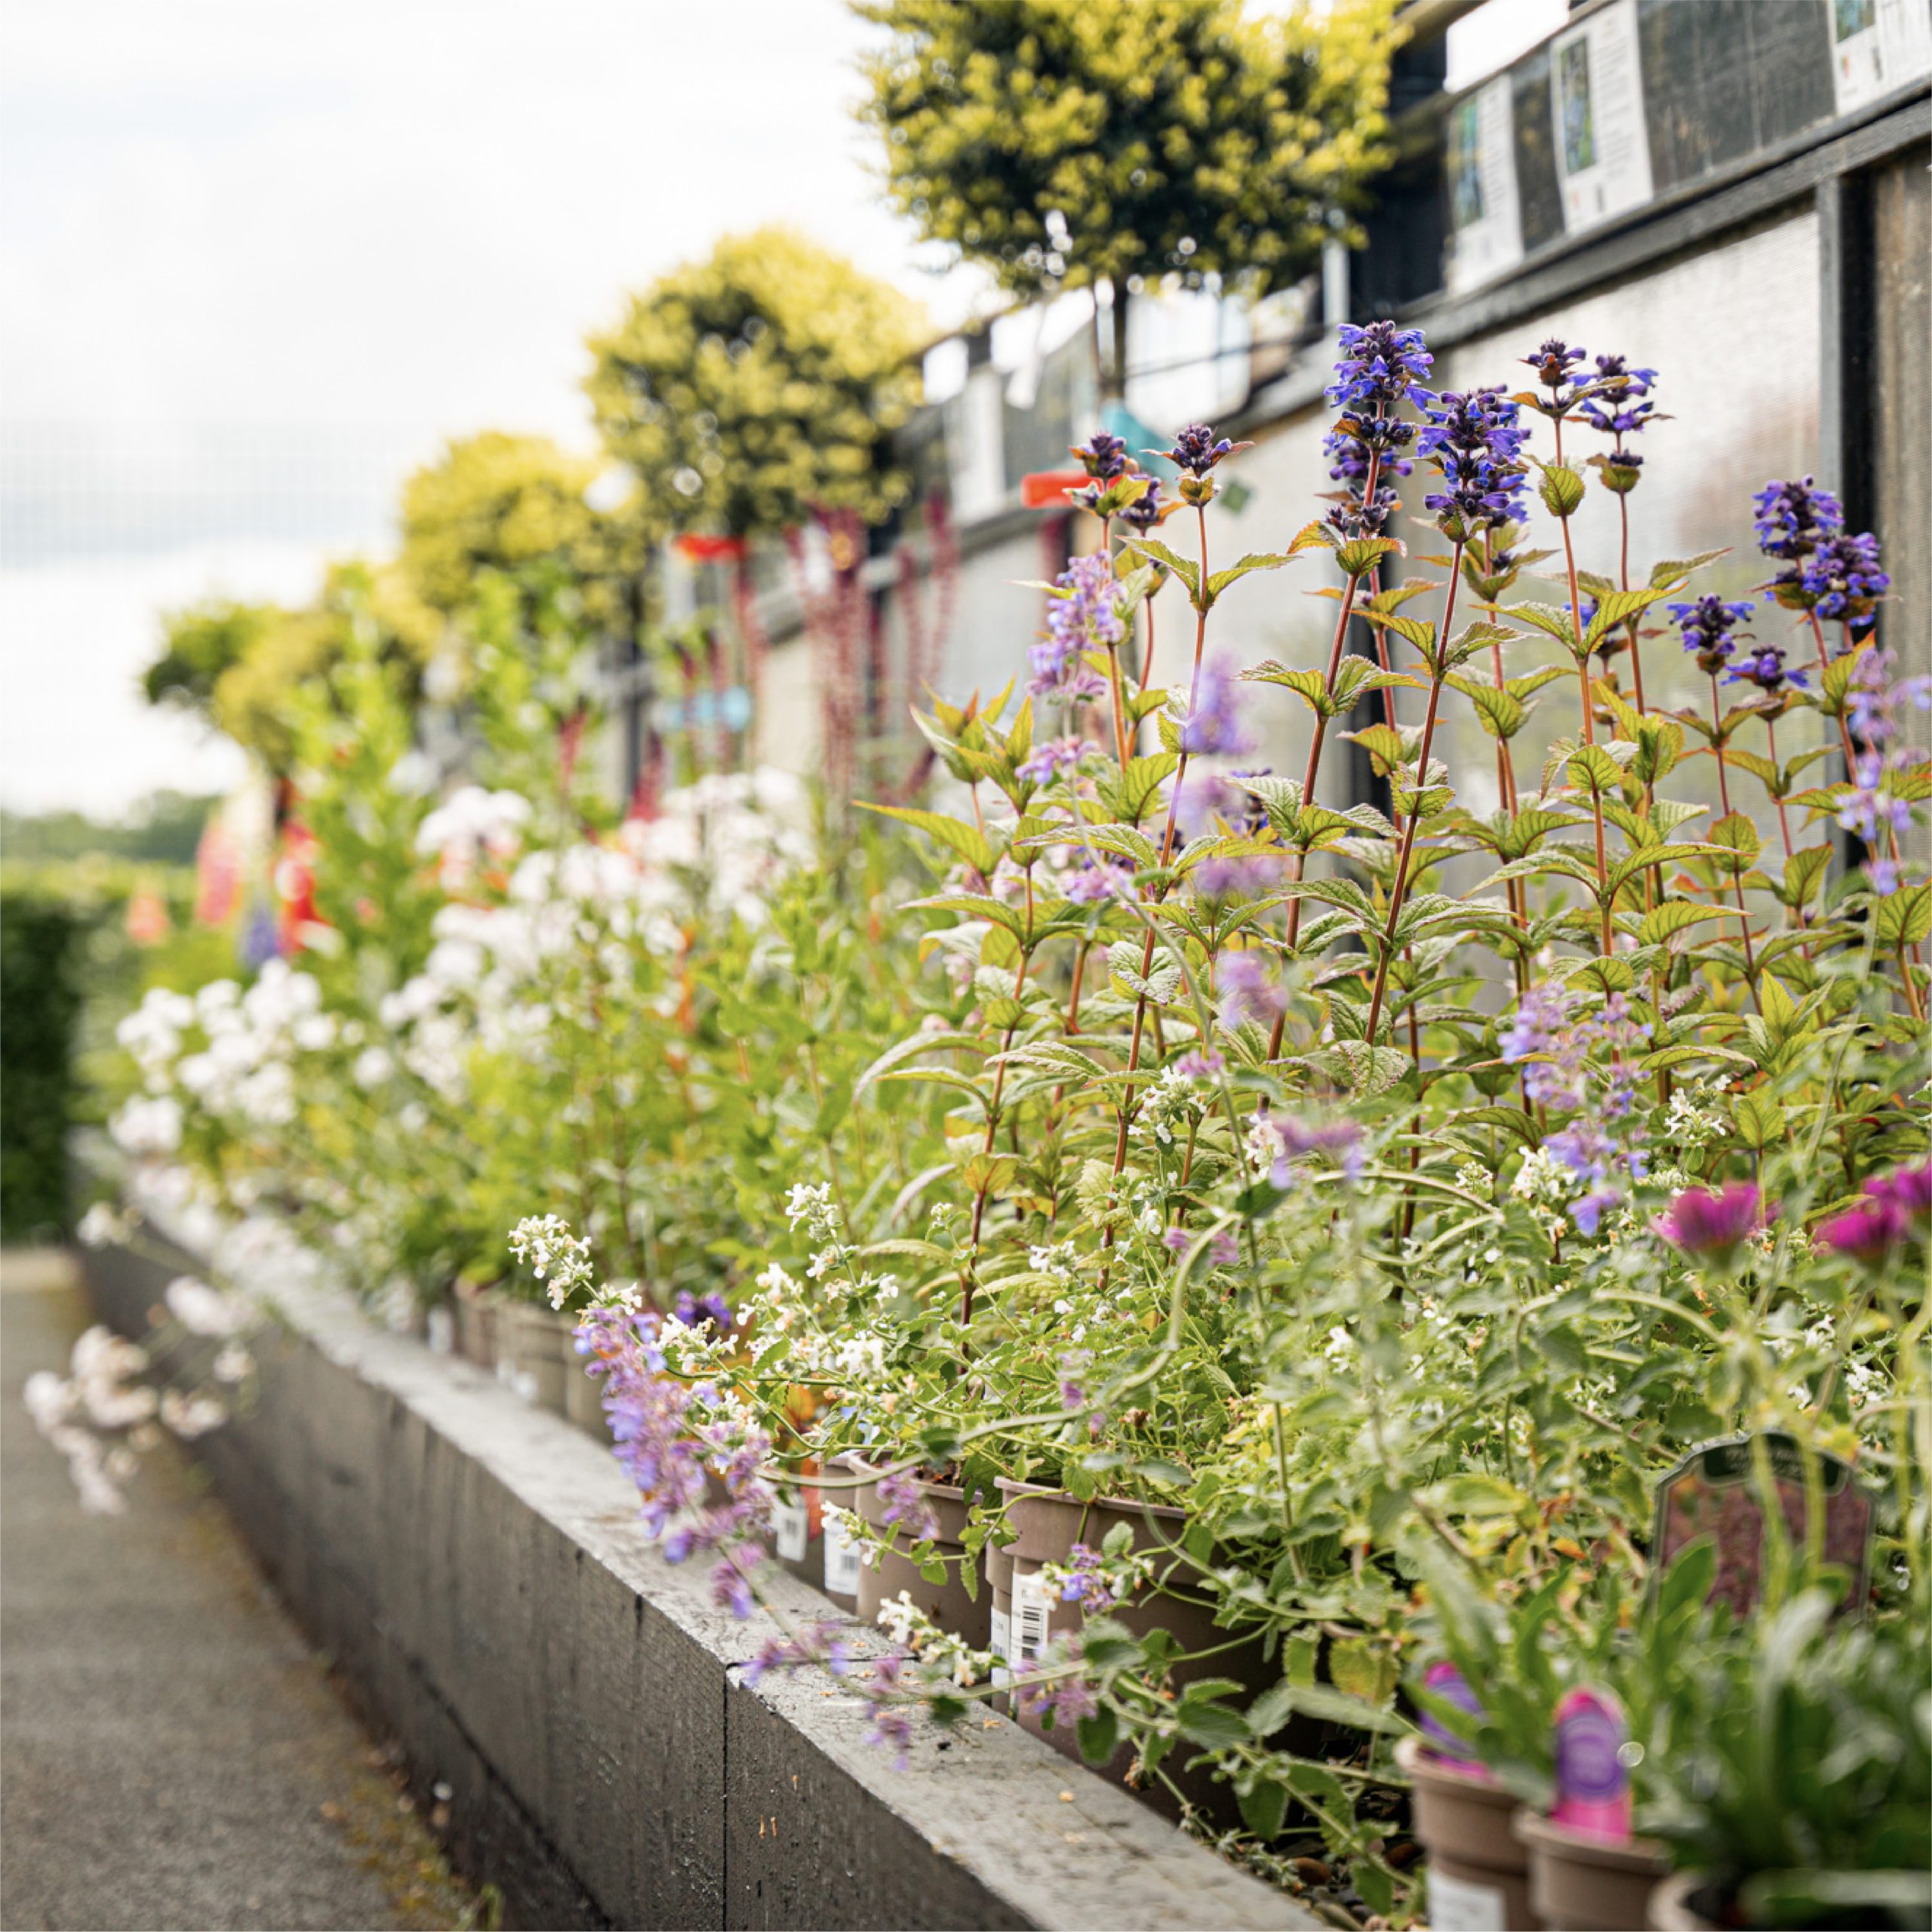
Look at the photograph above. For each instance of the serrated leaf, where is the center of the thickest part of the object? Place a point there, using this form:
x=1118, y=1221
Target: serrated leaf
x=1256, y=559
x=1904, y=918
x=968, y=840
x=1676, y=569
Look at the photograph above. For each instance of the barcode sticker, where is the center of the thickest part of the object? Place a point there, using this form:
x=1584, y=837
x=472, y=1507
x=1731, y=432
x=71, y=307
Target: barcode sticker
x=788, y=1529
x=1031, y=1609
x=842, y=1560
x=1000, y=1646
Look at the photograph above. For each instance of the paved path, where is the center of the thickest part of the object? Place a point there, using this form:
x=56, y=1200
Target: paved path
x=172, y=1754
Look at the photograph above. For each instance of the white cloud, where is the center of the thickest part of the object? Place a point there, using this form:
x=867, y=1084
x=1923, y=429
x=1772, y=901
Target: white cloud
x=392, y=219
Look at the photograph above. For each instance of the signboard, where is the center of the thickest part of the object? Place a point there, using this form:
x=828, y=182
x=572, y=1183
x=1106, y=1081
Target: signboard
x=1602, y=145
x=1715, y=1492
x=1877, y=47
x=1485, y=217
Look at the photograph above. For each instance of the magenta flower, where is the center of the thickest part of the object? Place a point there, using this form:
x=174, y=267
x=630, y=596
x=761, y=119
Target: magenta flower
x=1893, y=1205
x=1868, y=1233
x=1909, y=1190
x=1714, y=1225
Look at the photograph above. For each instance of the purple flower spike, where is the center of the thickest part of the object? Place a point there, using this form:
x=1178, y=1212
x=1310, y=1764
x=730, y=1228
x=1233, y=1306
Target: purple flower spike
x=1380, y=366
x=1714, y=1225
x=1794, y=517
x=1197, y=449
x=1214, y=725
x=1101, y=455
x=1706, y=625
x=905, y=1503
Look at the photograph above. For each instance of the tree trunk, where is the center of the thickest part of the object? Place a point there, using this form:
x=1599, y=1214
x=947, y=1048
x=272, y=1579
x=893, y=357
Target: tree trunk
x=1113, y=379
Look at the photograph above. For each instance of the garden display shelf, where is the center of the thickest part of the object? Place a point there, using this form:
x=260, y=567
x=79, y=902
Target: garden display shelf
x=473, y=1565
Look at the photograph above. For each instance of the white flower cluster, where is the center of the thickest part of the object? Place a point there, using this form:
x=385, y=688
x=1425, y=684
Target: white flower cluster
x=557, y=1258
x=470, y=826
x=1696, y=1116
x=909, y=1627
x=1543, y=1178
x=1172, y=1102
x=202, y=1310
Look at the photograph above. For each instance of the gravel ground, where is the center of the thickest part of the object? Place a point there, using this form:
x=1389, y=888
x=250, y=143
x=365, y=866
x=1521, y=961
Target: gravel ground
x=172, y=1752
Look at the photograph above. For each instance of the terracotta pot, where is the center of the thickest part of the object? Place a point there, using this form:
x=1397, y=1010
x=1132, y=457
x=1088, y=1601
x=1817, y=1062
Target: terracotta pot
x=476, y=1309
x=948, y=1603
x=1674, y=1904
x=1479, y=1868
x=1046, y=1523
x=1581, y=1884
x=535, y=1341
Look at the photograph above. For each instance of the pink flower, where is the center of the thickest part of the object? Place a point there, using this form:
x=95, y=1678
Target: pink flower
x=1867, y=1233
x=1715, y=1224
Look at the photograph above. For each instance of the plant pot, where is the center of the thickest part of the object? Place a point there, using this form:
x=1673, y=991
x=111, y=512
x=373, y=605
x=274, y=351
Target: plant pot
x=1046, y=1523
x=1479, y=1868
x=798, y=1530
x=476, y=1311
x=1674, y=1904
x=1581, y=1884
x=949, y=1605
x=535, y=1341
x=583, y=1394
x=999, y=1589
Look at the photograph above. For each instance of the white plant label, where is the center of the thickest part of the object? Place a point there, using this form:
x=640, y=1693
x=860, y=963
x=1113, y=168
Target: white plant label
x=1456, y=1906
x=790, y=1529
x=841, y=1561
x=1001, y=1644
x=1031, y=1609
x=1596, y=104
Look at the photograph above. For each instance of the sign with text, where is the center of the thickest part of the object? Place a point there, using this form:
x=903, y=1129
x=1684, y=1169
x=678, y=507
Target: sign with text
x=1485, y=217
x=1718, y=1491
x=1602, y=144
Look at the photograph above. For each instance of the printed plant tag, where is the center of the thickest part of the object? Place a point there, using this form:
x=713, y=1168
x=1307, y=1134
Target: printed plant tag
x=1714, y=1492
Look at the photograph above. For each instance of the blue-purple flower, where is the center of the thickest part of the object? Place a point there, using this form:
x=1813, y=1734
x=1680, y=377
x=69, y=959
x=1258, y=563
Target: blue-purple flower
x=906, y=1504
x=1052, y=757
x=1083, y=614
x=1380, y=366
x=1103, y=456
x=1708, y=625
x=1763, y=665
x=1621, y=405
x=1794, y=518
x=1474, y=439
x=1214, y=725
x=1197, y=449
x=1841, y=578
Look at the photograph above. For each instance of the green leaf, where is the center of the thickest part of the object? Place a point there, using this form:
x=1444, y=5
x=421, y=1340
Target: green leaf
x=1264, y=1803
x=1675, y=915
x=1803, y=873
x=1363, y=1667
x=1905, y=917
x=1189, y=574
x=1673, y=572
x=1256, y=559
x=1760, y=1119
x=968, y=840
x=1357, y=558
x=1561, y=490
x=1317, y=535
x=1098, y=1735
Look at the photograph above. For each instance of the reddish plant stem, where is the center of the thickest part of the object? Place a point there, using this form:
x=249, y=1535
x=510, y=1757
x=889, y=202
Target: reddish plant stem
x=1623, y=579
x=1724, y=795
x=1584, y=680
x=1167, y=852
x=1398, y=891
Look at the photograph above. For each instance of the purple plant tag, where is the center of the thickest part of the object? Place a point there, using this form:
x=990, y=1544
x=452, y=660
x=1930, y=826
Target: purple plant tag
x=1444, y=1680
x=1592, y=1782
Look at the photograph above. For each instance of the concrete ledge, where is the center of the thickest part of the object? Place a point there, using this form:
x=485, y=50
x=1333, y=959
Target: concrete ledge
x=475, y=1567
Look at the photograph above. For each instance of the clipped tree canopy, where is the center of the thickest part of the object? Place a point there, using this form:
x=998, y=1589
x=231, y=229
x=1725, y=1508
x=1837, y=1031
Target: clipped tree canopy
x=239, y=665
x=1058, y=141
x=752, y=388
x=498, y=502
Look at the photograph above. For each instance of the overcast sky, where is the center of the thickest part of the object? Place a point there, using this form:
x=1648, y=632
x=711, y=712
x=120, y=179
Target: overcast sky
x=257, y=257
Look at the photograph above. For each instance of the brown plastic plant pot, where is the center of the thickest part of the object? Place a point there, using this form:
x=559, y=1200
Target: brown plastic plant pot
x=999, y=1560
x=583, y=1393
x=1479, y=1868
x=535, y=1340
x=962, y=1614
x=1674, y=1904
x=476, y=1309
x=1581, y=1884
x=1046, y=1523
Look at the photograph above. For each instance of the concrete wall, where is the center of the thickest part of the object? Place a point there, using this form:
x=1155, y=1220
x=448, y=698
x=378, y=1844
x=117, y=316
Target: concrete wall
x=475, y=1567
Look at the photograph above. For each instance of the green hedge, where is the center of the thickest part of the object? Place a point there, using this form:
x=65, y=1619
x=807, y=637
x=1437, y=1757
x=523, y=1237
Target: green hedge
x=42, y=953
